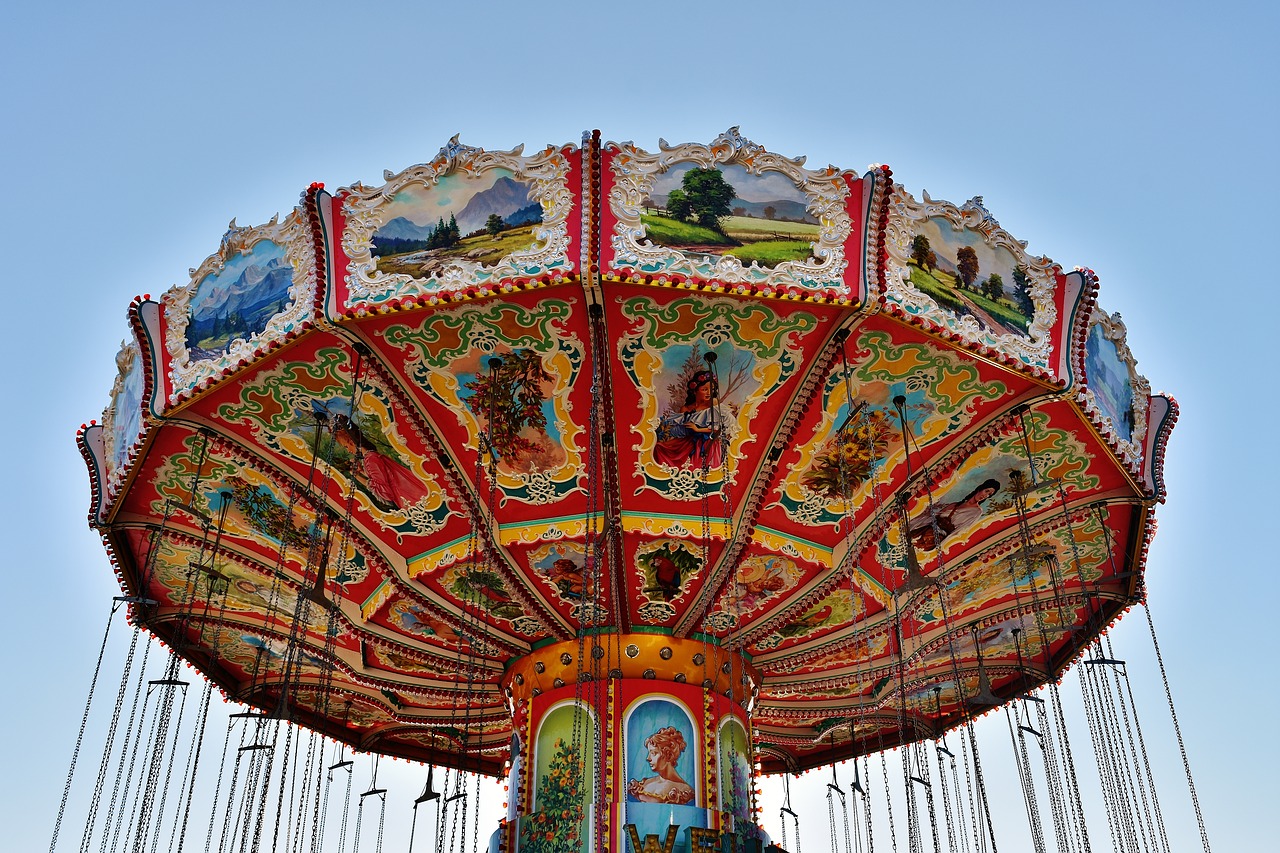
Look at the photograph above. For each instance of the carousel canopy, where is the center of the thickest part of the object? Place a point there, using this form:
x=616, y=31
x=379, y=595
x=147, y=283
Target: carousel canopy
x=377, y=453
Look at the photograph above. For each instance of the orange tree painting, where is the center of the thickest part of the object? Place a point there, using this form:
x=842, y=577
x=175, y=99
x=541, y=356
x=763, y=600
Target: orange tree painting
x=509, y=398
x=557, y=825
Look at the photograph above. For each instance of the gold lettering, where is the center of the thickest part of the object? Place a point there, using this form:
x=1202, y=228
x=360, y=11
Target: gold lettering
x=651, y=843
x=703, y=839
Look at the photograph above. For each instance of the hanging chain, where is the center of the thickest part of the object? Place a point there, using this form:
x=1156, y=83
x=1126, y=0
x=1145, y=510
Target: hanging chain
x=888, y=802
x=1019, y=743
x=382, y=822
x=346, y=808
x=980, y=791
x=217, y=791
x=1105, y=772
x=355, y=837
x=129, y=733
x=1155, y=819
x=106, y=752
x=1177, y=730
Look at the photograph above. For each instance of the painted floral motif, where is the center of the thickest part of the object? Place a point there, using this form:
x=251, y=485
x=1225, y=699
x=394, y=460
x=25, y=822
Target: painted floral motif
x=557, y=824
x=564, y=756
x=851, y=456
x=861, y=430
x=735, y=771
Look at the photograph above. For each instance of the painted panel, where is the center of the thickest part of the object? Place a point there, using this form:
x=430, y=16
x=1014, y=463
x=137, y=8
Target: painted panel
x=467, y=218
x=728, y=211
x=564, y=755
x=663, y=767
x=957, y=269
x=122, y=420
x=258, y=288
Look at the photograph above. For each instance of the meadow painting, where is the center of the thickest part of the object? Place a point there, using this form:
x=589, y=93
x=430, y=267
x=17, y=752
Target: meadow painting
x=727, y=211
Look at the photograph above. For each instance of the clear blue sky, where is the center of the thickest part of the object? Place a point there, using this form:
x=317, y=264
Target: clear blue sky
x=1138, y=139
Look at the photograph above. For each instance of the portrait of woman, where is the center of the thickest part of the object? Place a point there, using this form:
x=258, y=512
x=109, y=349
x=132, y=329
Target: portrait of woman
x=951, y=517
x=392, y=485
x=694, y=435
x=663, y=750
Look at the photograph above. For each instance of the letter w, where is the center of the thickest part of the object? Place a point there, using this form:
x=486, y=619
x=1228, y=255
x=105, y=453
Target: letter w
x=651, y=844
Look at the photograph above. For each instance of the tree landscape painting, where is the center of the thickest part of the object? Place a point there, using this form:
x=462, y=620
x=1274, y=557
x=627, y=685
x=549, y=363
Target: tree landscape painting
x=239, y=300
x=727, y=211
x=478, y=218
x=967, y=276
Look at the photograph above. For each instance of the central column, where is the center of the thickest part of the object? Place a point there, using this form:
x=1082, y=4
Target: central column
x=623, y=736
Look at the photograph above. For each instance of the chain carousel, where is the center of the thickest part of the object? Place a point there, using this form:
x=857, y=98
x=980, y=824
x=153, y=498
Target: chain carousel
x=630, y=476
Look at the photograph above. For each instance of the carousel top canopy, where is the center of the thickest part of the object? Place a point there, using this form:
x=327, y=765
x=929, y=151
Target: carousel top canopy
x=400, y=460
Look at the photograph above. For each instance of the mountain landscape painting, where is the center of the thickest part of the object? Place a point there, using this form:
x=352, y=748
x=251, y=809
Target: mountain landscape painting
x=238, y=301
x=477, y=218
x=1109, y=380
x=762, y=219
x=971, y=278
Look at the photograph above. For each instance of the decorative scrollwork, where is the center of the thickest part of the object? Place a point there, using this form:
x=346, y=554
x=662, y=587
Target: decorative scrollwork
x=657, y=612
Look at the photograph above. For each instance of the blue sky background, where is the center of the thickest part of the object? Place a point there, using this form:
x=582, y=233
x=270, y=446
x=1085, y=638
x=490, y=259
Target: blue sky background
x=1138, y=139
